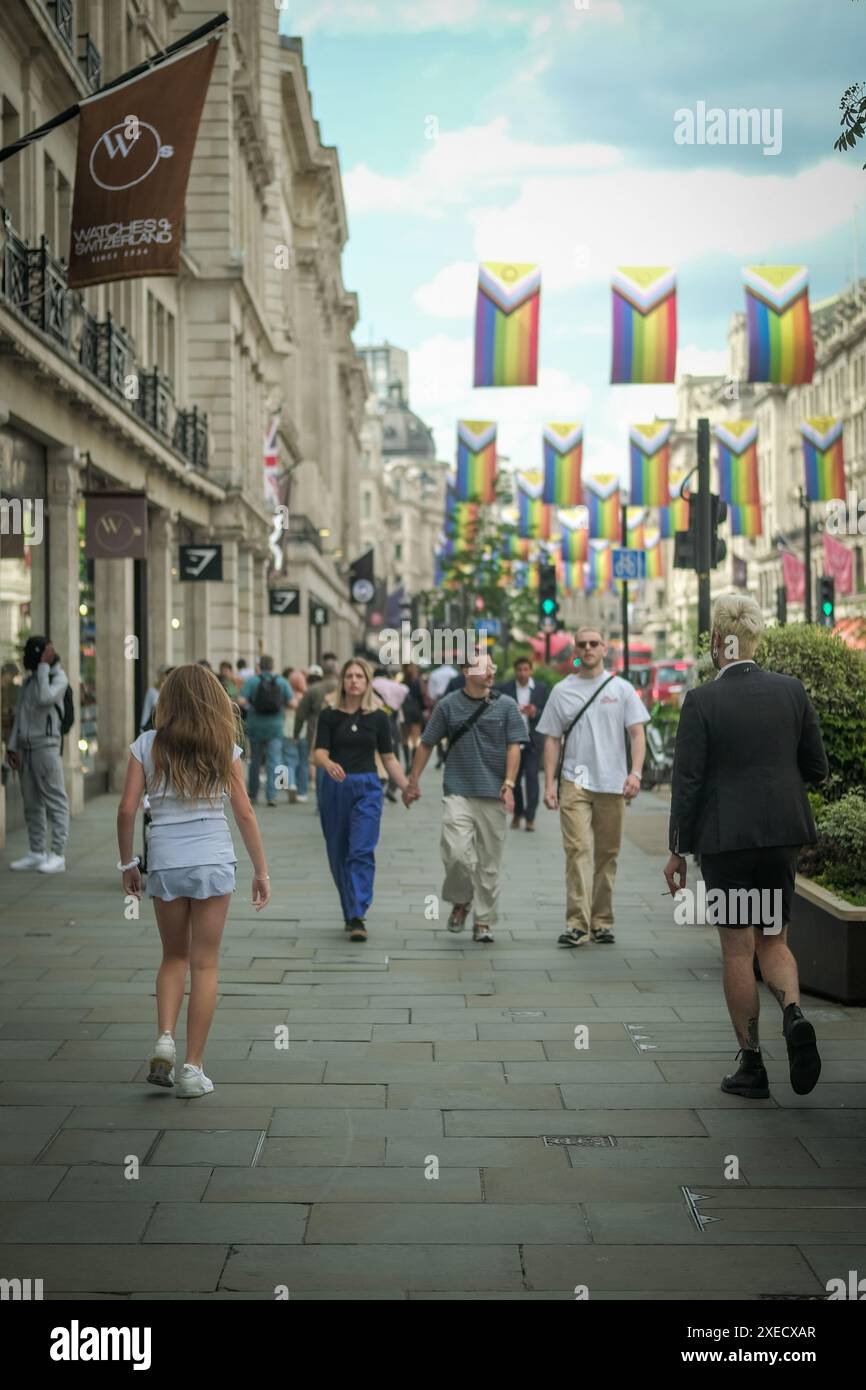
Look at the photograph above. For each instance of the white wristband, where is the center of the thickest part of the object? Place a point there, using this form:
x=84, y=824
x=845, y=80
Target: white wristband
x=133, y=864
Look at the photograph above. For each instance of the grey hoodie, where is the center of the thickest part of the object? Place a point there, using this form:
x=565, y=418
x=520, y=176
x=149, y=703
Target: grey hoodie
x=37, y=714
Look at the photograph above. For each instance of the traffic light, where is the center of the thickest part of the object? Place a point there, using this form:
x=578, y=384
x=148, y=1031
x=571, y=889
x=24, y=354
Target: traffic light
x=826, y=600
x=718, y=514
x=548, y=604
x=686, y=542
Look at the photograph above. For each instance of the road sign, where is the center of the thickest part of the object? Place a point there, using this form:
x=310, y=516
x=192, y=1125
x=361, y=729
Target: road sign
x=492, y=626
x=629, y=564
x=285, y=602
x=319, y=615
x=201, y=562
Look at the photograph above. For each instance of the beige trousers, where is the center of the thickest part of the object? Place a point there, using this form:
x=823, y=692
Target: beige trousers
x=591, y=834
x=473, y=833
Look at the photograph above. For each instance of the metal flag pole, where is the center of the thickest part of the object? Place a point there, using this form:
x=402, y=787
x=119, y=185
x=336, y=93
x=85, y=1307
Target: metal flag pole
x=624, y=542
x=148, y=65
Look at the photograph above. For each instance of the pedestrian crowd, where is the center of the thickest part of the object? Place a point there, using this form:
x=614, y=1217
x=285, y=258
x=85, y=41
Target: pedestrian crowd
x=748, y=743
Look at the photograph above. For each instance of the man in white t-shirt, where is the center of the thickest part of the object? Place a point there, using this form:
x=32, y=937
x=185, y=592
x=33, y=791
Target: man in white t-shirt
x=596, y=783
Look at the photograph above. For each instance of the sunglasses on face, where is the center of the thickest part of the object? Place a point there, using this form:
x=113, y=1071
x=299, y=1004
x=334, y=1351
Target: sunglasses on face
x=587, y=644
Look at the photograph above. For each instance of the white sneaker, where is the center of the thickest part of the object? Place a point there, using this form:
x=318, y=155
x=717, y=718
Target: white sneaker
x=34, y=860
x=162, y=1060
x=54, y=864
x=303, y=800
x=192, y=1082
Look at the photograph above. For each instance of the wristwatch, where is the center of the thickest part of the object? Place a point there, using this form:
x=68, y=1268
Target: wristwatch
x=506, y=783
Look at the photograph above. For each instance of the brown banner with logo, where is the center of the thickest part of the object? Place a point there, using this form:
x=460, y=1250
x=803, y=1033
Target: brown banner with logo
x=116, y=526
x=135, y=147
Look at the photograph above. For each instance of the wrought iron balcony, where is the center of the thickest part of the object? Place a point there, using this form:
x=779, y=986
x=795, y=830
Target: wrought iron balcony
x=191, y=436
x=63, y=19
x=34, y=282
x=90, y=62
x=155, y=401
x=301, y=529
x=107, y=352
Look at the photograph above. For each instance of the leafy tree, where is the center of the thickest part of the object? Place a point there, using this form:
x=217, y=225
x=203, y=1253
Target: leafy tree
x=853, y=122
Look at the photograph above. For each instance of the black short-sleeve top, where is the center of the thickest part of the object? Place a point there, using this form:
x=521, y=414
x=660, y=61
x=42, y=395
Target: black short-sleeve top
x=353, y=740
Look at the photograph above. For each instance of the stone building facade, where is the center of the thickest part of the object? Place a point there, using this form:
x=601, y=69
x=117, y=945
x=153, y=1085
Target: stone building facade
x=257, y=324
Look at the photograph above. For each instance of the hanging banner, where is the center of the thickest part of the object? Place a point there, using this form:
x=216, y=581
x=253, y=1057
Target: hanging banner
x=781, y=350
x=650, y=452
x=599, y=569
x=636, y=519
x=506, y=324
x=737, y=461
x=601, y=494
x=135, y=147
x=839, y=563
x=794, y=577
x=116, y=526
x=652, y=548
x=675, y=516
x=476, y=461
x=563, y=458
x=533, y=515
x=272, y=464
x=823, y=458
x=574, y=524
x=644, y=324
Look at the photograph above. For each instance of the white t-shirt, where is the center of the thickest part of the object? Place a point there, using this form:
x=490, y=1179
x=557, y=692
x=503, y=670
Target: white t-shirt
x=595, y=751
x=437, y=681
x=524, y=697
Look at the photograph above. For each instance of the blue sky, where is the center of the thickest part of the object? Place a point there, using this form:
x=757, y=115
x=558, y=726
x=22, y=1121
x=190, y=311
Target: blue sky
x=507, y=130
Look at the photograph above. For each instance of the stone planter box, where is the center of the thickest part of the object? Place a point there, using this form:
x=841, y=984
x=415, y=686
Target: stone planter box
x=828, y=938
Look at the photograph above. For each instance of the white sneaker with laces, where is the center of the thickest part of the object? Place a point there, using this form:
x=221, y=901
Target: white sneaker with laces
x=162, y=1060
x=54, y=864
x=34, y=860
x=192, y=1082
x=303, y=800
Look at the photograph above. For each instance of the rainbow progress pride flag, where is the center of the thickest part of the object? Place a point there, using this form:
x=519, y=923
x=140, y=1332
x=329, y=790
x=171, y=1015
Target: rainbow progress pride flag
x=781, y=349
x=644, y=324
x=675, y=516
x=571, y=575
x=533, y=515
x=601, y=495
x=636, y=519
x=737, y=459
x=652, y=537
x=823, y=458
x=563, y=457
x=745, y=519
x=506, y=324
x=599, y=568
x=476, y=460
x=574, y=526
x=650, y=450
x=461, y=518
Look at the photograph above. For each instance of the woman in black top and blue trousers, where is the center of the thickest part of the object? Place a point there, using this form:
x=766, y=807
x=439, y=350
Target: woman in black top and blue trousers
x=348, y=737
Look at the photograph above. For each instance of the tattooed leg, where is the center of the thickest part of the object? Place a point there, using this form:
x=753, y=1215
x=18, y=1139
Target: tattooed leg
x=778, y=968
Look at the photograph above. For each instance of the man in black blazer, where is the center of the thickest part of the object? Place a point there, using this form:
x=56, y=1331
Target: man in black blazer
x=747, y=744
x=531, y=695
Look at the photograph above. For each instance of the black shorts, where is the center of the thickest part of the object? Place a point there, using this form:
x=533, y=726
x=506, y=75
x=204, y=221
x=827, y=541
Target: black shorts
x=767, y=870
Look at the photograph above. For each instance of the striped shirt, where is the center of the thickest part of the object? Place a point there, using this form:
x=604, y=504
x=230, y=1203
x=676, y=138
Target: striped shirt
x=476, y=764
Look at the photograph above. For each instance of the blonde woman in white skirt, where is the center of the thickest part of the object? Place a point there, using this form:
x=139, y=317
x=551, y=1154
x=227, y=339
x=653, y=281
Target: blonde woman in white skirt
x=186, y=764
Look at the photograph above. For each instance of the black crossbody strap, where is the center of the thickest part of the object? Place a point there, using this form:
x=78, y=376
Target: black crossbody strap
x=580, y=713
x=473, y=718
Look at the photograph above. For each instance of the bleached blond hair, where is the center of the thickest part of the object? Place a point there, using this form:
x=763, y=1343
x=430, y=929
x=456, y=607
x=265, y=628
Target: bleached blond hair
x=739, y=622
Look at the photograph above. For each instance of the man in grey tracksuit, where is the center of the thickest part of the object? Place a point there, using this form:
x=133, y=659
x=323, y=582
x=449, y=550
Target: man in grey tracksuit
x=34, y=751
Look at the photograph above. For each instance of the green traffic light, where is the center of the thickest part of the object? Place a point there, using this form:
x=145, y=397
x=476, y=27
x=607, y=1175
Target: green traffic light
x=549, y=605
x=827, y=607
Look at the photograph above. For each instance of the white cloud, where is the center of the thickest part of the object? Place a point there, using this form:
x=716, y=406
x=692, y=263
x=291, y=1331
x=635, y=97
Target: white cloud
x=402, y=16
x=451, y=292
x=671, y=217
x=462, y=166
x=695, y=361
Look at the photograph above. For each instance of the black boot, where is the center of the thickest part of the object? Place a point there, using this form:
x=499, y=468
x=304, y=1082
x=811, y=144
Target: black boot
x=751, y=1078
x=803, y=1058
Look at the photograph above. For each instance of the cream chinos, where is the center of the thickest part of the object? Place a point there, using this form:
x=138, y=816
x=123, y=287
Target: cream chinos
x=473, y=833
x=591, y=834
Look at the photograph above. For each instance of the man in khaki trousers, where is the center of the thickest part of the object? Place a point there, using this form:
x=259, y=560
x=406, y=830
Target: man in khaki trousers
x=596, y=783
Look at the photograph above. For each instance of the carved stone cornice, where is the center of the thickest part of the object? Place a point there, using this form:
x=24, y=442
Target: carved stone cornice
x=251, y=131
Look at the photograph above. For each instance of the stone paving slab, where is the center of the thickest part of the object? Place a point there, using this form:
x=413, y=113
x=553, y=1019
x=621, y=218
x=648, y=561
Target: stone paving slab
x=311, y=1167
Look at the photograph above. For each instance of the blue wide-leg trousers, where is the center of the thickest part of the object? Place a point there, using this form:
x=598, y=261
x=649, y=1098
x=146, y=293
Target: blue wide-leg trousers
x=351, y=813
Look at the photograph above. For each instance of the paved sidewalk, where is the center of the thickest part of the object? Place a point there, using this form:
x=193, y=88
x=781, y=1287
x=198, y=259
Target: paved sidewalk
x=314, y=1168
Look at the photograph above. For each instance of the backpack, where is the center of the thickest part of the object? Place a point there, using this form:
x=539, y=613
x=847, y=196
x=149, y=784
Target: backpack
x=268, y=698
x=65, y=712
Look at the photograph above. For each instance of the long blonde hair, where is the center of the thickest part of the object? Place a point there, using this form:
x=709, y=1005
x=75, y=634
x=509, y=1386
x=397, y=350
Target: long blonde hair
x=368, y=699
x=196, y=728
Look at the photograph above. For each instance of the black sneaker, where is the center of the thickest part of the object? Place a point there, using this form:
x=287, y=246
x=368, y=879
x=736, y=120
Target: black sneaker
x=604, y=935
x=750, y=1080
x=803, y=1058
x=573, y=938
